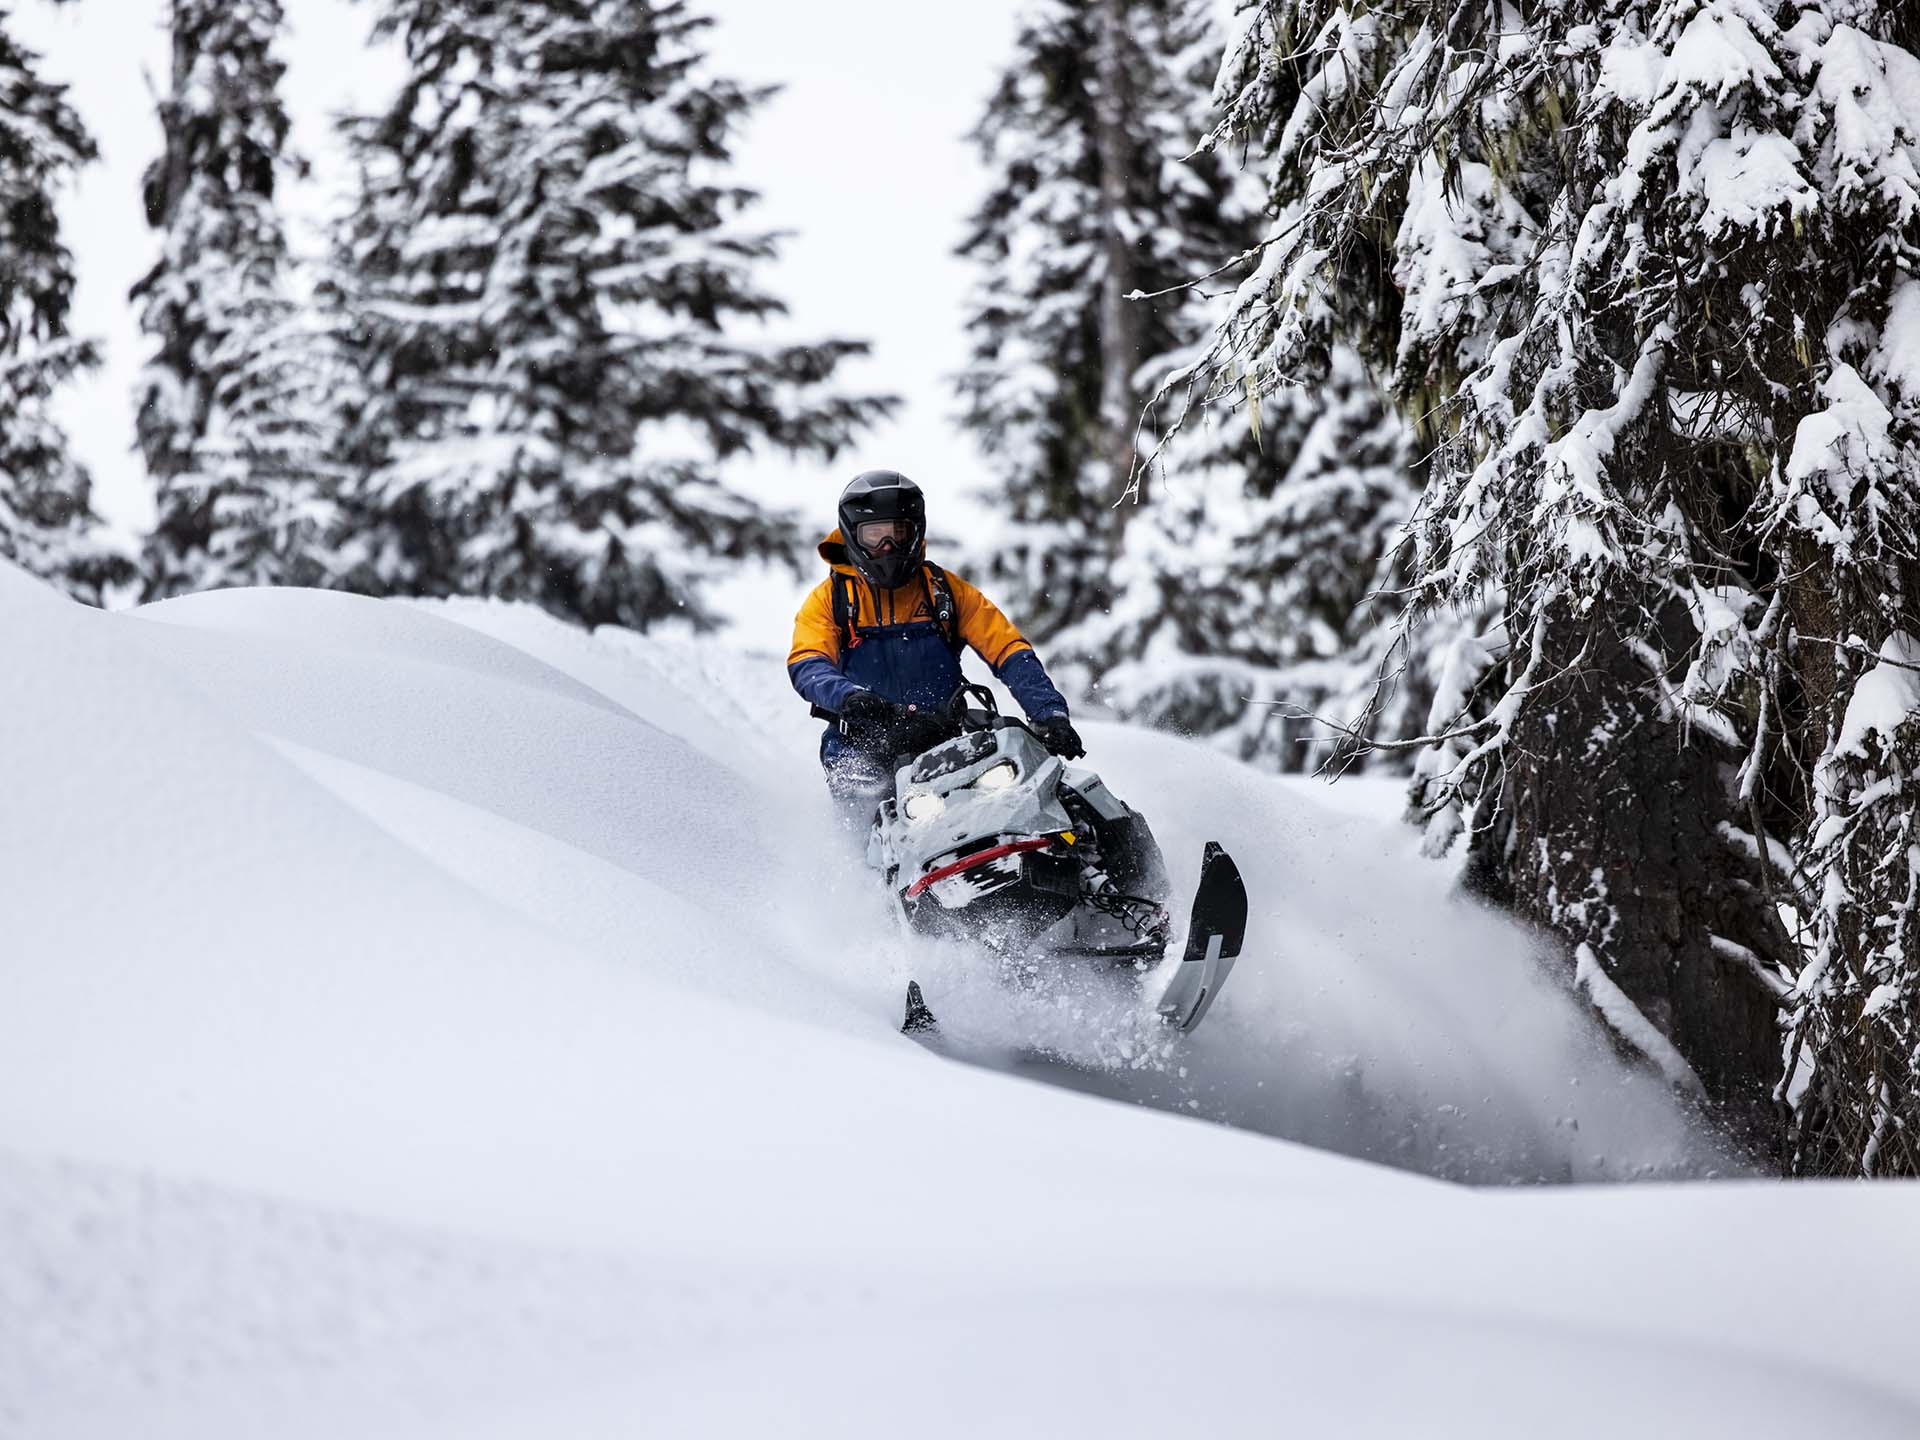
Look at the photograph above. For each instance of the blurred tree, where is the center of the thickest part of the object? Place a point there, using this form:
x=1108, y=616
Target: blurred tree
x=47, y=523
x=232, y=419
x=1090, y=201
x=542, y=295
x=1256, y=596
x=1222, y=584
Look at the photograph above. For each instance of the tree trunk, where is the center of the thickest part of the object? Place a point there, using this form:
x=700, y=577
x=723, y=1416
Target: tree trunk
x=1618, y=832
x=165, y=186
x=1120, y=342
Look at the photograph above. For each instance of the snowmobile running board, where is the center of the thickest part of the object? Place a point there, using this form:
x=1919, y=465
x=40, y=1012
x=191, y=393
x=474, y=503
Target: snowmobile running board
x=1214, y=935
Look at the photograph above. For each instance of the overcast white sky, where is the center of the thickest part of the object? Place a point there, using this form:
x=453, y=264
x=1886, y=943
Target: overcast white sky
x=862, y=156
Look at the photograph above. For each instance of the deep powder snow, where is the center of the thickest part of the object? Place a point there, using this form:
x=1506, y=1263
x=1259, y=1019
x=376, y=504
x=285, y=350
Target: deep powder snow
x=435, y=1020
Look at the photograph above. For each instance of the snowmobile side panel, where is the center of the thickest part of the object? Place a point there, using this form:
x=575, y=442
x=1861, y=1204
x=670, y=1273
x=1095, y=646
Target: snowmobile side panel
x=1093, y=790
x=1133, y=859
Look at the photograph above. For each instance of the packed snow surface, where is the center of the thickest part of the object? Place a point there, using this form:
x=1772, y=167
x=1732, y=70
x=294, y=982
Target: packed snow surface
x=435, y=1021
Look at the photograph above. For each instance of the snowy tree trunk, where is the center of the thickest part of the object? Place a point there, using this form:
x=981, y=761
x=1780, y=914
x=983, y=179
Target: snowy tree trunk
x=1853, y=1081
x=1618, y=832
x=1119, y=318
x=185, y=525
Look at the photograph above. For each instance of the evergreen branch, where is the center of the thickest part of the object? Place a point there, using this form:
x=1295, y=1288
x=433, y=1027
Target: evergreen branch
x=1855, y=647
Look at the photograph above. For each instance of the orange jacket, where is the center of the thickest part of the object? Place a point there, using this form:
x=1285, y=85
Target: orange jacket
x=898, y=649
x=982, y=625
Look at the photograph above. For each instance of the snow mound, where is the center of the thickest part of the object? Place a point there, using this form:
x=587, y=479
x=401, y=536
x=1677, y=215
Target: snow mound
x=434, y=1020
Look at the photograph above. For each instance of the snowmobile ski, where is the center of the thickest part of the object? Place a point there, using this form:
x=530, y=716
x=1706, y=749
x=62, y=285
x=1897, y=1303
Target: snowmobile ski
x=1214, y=935
x=919, y=1022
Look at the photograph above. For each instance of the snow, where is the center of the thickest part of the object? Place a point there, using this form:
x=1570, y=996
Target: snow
x=1632, y=71
x=1872, y=89
x=1459, y=238
x=1746, y=179
x=1624, y=1016
x=1844, y=443
x=1885, y=698
x=1718, y=54
x=433, y=1020
x=1897, y=356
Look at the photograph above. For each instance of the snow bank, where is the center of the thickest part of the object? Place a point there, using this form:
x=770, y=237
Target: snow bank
x=428, y=1021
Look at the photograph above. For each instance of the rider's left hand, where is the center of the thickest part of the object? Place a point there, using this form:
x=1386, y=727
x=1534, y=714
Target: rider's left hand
x=1059, y=736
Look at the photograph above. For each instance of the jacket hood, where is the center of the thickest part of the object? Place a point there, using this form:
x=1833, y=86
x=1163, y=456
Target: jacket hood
x=833, y=550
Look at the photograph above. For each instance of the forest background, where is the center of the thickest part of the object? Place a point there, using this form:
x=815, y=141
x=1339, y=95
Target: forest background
x=1526, y=395
x=905, y=293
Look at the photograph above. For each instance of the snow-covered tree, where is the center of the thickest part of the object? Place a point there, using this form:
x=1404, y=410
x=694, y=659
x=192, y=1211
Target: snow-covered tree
x=1226, y=588
x=231, y=420
x=547, y=295
x=1256, y=595
x=1646, y=274
x=47, y=524
x=1092, y=199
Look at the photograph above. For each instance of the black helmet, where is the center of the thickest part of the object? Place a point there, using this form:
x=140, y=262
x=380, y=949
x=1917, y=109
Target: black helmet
x=895, y=514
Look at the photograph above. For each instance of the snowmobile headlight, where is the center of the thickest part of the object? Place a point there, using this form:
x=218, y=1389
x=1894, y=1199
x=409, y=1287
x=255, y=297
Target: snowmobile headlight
x=924, y=806
x=999, y=777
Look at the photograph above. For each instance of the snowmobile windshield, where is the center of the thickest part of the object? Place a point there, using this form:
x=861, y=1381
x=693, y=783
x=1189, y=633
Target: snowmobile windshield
x=872, y=534
x=953, y=756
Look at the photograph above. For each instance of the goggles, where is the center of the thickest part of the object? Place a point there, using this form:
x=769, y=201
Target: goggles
x=870, y=535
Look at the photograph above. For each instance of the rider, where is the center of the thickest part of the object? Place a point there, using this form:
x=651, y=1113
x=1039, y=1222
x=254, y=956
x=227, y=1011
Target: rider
x=880, y=639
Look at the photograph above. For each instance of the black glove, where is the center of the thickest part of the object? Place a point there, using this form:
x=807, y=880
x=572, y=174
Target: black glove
x=865, y=708
x=1059, y=736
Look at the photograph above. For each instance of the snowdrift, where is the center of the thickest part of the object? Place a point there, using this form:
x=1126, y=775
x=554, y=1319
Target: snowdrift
x=436, y=1021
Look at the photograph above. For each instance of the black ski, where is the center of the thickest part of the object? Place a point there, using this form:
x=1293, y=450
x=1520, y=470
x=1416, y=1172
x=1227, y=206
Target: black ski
x=919, y=1022
x=1215, y=932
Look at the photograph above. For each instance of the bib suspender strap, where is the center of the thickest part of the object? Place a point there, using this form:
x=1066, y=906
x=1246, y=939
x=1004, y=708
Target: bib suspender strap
x=940, y=606
x=844, y=610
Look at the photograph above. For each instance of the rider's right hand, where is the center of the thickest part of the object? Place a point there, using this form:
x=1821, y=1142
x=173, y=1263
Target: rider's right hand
x=1059, y=736
x=863, y=707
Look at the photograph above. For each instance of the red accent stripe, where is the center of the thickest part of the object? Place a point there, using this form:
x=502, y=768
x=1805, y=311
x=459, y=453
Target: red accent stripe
x=982, y=857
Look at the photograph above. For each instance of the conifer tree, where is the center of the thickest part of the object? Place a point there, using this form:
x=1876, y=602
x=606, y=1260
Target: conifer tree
x=1086, y=137
x=1227, y=584
x=231, y=416
x=1646, y=276
x=1257, y=595
x=548, y=296
x=47, y=524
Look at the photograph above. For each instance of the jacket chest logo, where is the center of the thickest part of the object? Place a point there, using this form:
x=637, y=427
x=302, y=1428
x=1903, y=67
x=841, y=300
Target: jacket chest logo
x=900, y=617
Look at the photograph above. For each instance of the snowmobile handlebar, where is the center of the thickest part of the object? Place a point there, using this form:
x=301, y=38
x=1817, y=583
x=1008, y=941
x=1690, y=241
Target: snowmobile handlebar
x=955, y=713
x=987, y=718
x=912, y=730
x=965, y=718
x=903, y=734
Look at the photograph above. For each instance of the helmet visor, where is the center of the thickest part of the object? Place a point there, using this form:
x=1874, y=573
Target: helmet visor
x=871, y=535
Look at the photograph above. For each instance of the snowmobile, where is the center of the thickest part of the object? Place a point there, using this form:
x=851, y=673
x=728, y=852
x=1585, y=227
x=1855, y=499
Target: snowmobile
x=989, y=838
